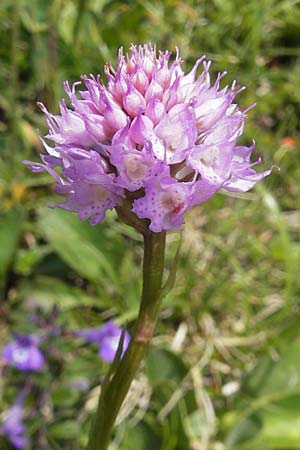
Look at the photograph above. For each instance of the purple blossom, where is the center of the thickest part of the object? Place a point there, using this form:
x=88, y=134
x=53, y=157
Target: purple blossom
x=152, y=137
x=135, y=167
x=164, y=202
x=24, y=354
x=107, y=337
x=13, y=427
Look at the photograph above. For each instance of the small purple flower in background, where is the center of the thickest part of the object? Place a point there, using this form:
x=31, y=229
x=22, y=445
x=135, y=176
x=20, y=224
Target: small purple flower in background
x=107, y=338
x=152, y=137
x=24, y=354
x=110, y=341
x=13, y=427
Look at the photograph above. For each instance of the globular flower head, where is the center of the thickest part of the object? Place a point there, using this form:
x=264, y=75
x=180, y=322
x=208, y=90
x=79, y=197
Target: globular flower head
x=24, y=354
x=107, y=338
x=153, y=136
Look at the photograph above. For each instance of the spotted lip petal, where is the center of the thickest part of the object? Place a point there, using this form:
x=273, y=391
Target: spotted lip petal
x=150, y=129
x=164, y=203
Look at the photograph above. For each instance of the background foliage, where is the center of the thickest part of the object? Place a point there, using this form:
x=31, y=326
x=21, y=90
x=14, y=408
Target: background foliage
x=223, y=372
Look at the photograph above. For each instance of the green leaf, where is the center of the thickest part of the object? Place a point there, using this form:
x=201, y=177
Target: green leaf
x=273, y=416
x=88, y=250
x=10, y=230
x=49, y=291
x=53, y=444
x=276, y=425
x=27, y=259
x=281, y=423
x=64, y=429
x=278, y=376
x=244, y=430
x=63, y=396
x=163, y=366
x=140, y=437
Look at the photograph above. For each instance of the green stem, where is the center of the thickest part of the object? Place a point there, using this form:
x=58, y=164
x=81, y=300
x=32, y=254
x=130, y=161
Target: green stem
x=112, y=396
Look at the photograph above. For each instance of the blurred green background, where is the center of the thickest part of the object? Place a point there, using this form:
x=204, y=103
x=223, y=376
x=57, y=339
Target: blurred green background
x=223, y=372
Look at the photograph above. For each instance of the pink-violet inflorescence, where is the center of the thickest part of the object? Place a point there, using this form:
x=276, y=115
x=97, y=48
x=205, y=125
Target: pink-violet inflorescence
x=152, y=141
